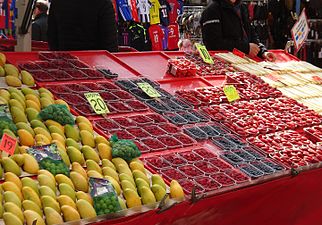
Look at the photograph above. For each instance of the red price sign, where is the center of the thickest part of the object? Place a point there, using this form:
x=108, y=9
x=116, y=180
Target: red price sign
x=8, y=144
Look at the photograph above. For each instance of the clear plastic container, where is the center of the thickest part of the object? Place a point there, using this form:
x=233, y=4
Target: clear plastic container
x=191, y=171
x=157, y=162
x=42, y=76
x=223, y=143
x=250, y=171
x=60, y=75
x=124, y=122
x=206, y=167
x=190, y=156
x=175, y=118
x=173, y=174
x=204, y=153
x=138, y=132
x=196, y=133
x=189, y=117
x=78, y=88
x=106, y=124
x=137, y=105
x=157, y=106
x=154, y=130
x=208, y=183
x=169, y=141
x=174, y=159
x=126, y=84
x=184, y=139
x=209, y=131
x=73, y=99
x=120, y=107
x=153, y=144
x=231, y=158
x=223, y=179
x=141, y=120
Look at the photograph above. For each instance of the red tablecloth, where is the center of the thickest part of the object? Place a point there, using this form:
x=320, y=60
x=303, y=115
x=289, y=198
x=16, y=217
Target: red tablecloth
x=287, y=201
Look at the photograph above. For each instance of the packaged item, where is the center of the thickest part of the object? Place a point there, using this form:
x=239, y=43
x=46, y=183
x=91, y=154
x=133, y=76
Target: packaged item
x=6, y=123
x=57, y=112
x=181, y=67
x=49, y=159
x=104, y=196
x=125, y=149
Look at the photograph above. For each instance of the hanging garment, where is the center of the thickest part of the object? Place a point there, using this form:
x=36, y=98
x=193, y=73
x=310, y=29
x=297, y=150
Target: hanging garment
x=156, y=36
x=164, y=12
x=133, y=6
x=138, y=37
x=173, y=13
x=143, y=7
x=165, y=37
x=124, y=10
x=173, y=37
x=154, y=12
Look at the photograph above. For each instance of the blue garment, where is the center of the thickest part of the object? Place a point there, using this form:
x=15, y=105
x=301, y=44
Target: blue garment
x=165, y=37
x=124, y=10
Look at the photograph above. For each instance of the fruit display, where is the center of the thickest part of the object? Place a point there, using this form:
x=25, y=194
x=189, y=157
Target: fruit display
x=303, y=91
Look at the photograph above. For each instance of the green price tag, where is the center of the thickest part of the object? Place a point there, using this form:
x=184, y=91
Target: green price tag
x=204, y=53
x=97, y=102
x=149, y=90
x=231, y=93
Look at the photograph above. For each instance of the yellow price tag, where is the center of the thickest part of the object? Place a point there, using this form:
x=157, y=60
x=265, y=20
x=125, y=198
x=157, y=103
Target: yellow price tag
x=97, y=102
x=149, y=90
x=231, y=93
x=206, y=57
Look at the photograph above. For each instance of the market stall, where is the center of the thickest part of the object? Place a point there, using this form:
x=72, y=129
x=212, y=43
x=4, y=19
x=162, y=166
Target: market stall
x=254, y=159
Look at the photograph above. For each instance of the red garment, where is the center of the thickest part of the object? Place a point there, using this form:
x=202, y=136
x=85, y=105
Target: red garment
x=156, y=36
x=134, y=10
x=173, y=37
x=173, y=13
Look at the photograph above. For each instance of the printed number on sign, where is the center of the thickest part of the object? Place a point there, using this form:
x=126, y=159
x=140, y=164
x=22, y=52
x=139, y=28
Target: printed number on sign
x=97, y=103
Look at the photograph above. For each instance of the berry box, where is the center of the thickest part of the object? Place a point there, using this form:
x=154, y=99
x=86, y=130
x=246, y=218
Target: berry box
x=174, y=159
x=191, y=171
x=244, y=155
x=157, y=118
x=250, y=170
x=62, y=64
x=108, y=86
x=189, y=117
x=231, y=158
x=157, y=106
x=190, y=156
x=188, y=186
x=153, y=144
x=237, y=176
x=204, y=153
x=138, y=93
x=136, y=105
x=169, y=141
x=124, y=122
x=157, y=162
x=29, y=66
x=171, y=105
x=207, y=183
x=76, y=74
x=42, y=76
x=47, y=65
x=220, y=164
x=173, y=174
x=58, y=89
x=72, y=99
x=123, y=134
x=262, y=167
x=223, y=143
x=106, y=124
x=206, y=167
x=60, y=75
x=155, y=130
x=175, y=118
x=200, y=116
x=119, y=107
x=126, y=84
x=85, y=110
x=93, y=74
x=79, y=64
x=209, y=131
x=196, y=133
x=223, y=179
x=108, y=96
x=63, y=56
x=138, y=132
x=252, y=151
x=184, y=139
x=77, y=88
x=93, y=86
x=169, y=128
x=141, y=120
x=273, y=165
x=143, y=149
x=123, y=95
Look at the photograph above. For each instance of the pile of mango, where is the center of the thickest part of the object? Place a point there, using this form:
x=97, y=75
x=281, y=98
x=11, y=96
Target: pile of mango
x=13, y=76
x=56, y=199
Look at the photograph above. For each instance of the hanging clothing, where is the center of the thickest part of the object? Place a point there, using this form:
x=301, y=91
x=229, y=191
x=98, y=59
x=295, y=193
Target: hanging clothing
x=164, y=12
x=143, y=7
x=134, y=11
x=138, y=37
x=156, y=36
x=154, y=12
x=173, y=36
x=173, y=13
x=165, y=37
x=124, y=10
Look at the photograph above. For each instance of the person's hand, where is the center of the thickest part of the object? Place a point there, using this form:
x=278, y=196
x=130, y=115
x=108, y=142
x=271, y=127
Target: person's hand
x=269, y=56
x=253, y=49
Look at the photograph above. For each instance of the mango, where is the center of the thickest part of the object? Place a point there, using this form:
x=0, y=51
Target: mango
x=94, y=173
x=18, y=115
x=13, y=81
x=31, y=165
x=176, y=190
x=64, y=156
x=52, y=216
x=104, y=151
x=28, y=90
x=66, y=200
x=92, y=165
x=5, y=94
x=85, y=196
x=108, y=163
x=79, y=181
x=90, y=154
x=100, y=139
x=132, y=198
x=30, y=205
x=10, y=196
x=30, y=194
x=10, y=186
x=18, y=158
x=72, y=142
x=16, y=103
x=108, y=171
x=61, y=102
x=72, y=132
x=45, y=190
x=9, y=165
x=115, y=184
x=54, y=123
x=147, y=196
x=3, y=59
x=45, y=90
x=69, y=213
x=11, y=219
x=83, y=119
x=65, y=189
x=54, y=129
x=61, y=178
x=87, y=138
x=11, y=70
x=76, y=167
x=32, y=216
x=48, y=174
x=37, y=123
x=28, y=182
x=158, y=191
x=75, y=155
x=85, y=209
x=25, y=126
x=32, y=113
x=48, y=201
x=9, y=176
x=40, y=138
x=45, y=180
x=33, y=105
x=27, y=78
x=45, y=102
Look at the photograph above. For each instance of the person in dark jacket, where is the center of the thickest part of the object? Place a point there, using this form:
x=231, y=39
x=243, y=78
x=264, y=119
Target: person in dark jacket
x=82, y=25
x=39, y=24
x=225, y=25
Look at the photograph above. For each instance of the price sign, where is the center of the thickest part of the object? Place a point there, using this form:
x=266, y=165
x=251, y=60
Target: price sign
x=149, y=90
x=97, y=102
x=300, y=31
x=204, y=53
x=8, y=144
x=231, y=93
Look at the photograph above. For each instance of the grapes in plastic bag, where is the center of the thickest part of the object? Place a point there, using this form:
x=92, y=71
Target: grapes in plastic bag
x=125, y=149
x=49, y=159
x=104, y=196
x=58, y=113
x=7, y=123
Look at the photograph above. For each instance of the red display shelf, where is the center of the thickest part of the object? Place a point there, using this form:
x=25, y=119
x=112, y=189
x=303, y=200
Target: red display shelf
x=152, y=65
x=189, y=83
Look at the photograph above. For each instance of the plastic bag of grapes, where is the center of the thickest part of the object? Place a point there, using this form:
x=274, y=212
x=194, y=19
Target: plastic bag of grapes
x=125, y=149
x=49, y=159
x=6, y=123
x=57, y=112
x=104, y=196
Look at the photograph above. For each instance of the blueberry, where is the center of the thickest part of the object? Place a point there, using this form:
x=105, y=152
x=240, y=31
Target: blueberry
x=231, y=158
x=189, y=117
x=146, y=80
x=275, y=166
x=139, y=94
x=156, y=105
x=244, y=155
x=223, y=143
x=172, y=105
x=176, y=119
x=196, y=133
x=261, y=166
x=254, y=153
x=236, y=140
x=181, y=103
x=201, y=117
x=251, y=171
x=126, y=84
x=209, y=131
x=219, y=129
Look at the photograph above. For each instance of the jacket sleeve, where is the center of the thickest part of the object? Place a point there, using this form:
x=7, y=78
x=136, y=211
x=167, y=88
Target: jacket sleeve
x=213, y=39
x=35, y=32
x=254, y=38
x=107, y=28
x=52, y=29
